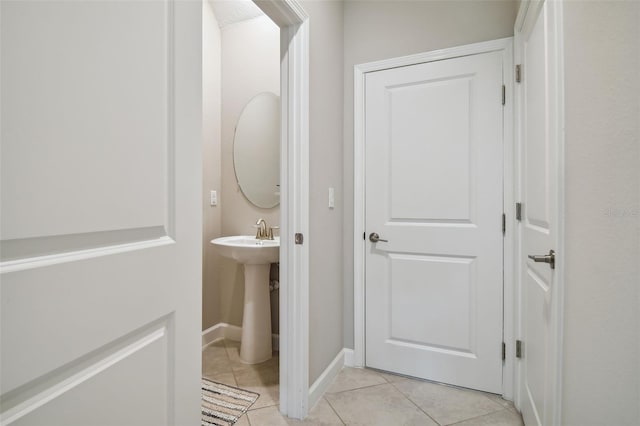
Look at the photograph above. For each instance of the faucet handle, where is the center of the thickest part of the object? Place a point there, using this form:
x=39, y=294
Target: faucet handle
x=270, y=232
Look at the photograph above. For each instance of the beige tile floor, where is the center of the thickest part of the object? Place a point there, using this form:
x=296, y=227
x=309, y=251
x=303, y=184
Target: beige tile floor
x=358, y=396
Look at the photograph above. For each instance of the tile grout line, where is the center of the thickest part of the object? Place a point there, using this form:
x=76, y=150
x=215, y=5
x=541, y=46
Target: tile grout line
x=502, y=408
x=235, y=379
x=354, y=389
x=416, y=405
x=334, y=410
x=364, y=387
x=476, y=417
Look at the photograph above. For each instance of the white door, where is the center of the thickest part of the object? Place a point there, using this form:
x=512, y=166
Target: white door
x=433, y=137
x=101, y=263
x=538, y=129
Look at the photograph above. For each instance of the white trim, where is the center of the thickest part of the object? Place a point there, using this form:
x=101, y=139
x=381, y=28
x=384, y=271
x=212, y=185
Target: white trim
x=285, y=13
x=436, y=55
x=294, y=259
x=222, y=330
x=294, y=203
x=71, y=377
x=509, y=278
x=528, y=10
x=518, y=194
x=323, y=382
x=560, y=241
x=557, y=315
x=504, y=45
x=74, y=256
x=523, y=10
x=213, y=333
x=348, y=357
x=358, y=217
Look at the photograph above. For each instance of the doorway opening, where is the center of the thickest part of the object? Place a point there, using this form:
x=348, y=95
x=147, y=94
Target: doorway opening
x=291, y=58
x=241, y=172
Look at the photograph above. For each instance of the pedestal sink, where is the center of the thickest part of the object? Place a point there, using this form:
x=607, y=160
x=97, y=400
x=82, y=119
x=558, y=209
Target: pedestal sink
x=256, y=256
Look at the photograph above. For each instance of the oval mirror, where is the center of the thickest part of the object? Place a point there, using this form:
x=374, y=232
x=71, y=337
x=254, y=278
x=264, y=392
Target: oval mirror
x=256, y=150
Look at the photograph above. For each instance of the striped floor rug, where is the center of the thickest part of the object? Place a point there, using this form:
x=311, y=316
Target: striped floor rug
x=223, y=405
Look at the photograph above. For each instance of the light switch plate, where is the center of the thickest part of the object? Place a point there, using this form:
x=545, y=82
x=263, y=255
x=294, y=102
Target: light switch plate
x=332, y=198
x=214, y=198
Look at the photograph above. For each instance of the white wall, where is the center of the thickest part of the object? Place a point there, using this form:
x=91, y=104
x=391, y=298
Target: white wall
x=601, y=353
x=211, y=166
x=250, y=65
x=375, y=30
x=325, y=153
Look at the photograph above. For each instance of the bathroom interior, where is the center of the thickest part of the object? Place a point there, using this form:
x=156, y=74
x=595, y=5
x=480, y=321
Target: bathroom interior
x=241, y=87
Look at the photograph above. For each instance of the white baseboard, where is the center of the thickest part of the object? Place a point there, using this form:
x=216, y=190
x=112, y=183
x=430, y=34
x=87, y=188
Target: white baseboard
x=230, y=332
x=349, y=357
x=320, y=386
x=212, y=334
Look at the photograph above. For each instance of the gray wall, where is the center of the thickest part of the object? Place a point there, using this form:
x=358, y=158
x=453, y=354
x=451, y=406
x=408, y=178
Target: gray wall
x=602, y=94
x=212, y=174
x=325, y=239
x=375, y=30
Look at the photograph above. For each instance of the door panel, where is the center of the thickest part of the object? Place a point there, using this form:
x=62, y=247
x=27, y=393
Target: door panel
x=434, y=191
x=438, y=109
x=147, y=364
x=537, y=103
x=64, y=117
x=412, y=301
x=100, y=235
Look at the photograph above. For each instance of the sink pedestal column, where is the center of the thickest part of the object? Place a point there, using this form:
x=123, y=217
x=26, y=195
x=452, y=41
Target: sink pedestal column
x=255, y=345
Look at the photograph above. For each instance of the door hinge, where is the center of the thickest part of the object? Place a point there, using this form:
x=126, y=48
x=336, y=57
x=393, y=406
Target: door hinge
x=518, y=73
x=299, y=238
x=519, y=211
x=504, y=351
x=504, y=94
x=518, y=349
x=504, y=223
x=364, y=235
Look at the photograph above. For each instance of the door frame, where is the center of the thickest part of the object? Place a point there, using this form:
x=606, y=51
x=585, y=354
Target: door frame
x=294, y=203
x=527, y=12
x=504, y=45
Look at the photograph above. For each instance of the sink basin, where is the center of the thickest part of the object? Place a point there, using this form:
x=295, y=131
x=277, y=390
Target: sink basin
x=248, y=250
x=256, y=257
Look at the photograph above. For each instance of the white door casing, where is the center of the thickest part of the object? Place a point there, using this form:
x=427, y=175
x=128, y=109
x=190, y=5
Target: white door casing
x=101, y=177
x=434, y=170
x=539, y=105
x=294, y=201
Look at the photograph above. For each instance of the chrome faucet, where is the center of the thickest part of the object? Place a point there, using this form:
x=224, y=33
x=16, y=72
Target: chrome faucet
x=261, y=234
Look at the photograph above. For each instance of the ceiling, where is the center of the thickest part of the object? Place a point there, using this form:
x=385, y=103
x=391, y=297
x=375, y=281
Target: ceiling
x=229, y=12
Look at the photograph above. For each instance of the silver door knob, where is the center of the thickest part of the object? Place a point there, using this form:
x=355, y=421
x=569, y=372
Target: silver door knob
x=545, y=258
x=374, y=238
